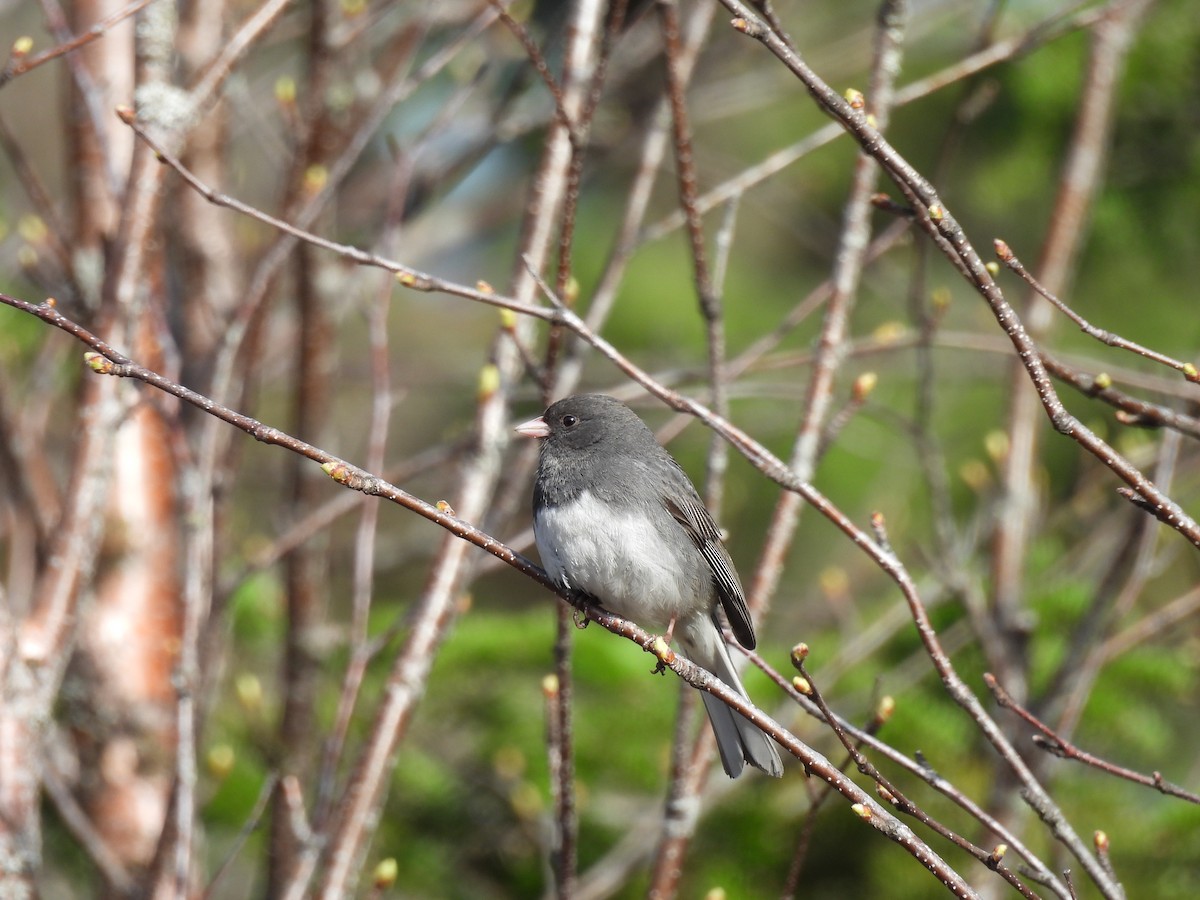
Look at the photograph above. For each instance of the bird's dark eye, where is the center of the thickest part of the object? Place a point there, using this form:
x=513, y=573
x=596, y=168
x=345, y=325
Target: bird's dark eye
x=569, y=421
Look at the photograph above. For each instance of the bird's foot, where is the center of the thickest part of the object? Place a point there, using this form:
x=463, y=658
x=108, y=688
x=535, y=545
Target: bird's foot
x=659, y=646
x=581, y=601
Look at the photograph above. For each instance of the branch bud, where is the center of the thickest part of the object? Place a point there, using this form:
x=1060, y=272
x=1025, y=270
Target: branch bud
x=996, y=444
x=337, y=470
x=863, y=385
x=662, y=650
x=748, y=27
x=885, y=708
x=385, y=873
x=98, y=363
x=571, y=291
x=975, y=475
x=219, y=761
x=249, y=692
x=285, y=90
x=316, y=177
x=33, y=229
x=888, y=332
x=489, y=381
x=799, y=654
x=834, y=582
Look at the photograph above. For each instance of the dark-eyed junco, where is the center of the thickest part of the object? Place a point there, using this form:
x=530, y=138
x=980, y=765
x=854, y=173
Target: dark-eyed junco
x=617, y=519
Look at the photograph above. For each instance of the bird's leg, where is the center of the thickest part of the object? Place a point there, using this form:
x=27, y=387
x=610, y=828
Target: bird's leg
x=580, y=600
x=666, y=637
x=670, y=629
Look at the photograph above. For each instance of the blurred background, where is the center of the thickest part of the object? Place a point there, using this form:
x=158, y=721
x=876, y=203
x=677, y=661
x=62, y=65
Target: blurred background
x=161, y=554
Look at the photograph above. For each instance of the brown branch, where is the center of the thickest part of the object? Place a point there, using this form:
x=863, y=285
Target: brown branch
x=1006, y=256
x=1053, y=27
x=538, y=61
x=269, y=785
x=817, y=799
x=1079, y=181
x=850, y=258
x=233, y=49
x=920, y=767
x=941, y=226
x=1131, y=410
x=83, y=829
x=707, y=291
x=892, y=794
x=21, y=62
x=107, y=361
x=1059, y=746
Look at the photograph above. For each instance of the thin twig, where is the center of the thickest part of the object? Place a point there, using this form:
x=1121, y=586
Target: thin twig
x=20, y=63
x=1006, y=256
x=1059, y=746
x=107, y=361
x=893, y=795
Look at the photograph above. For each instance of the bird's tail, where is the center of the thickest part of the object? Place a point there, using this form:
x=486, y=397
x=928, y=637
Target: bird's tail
x=739, y=741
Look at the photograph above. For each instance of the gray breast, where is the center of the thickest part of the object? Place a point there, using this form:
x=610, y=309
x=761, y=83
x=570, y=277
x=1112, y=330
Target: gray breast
x=637, y=564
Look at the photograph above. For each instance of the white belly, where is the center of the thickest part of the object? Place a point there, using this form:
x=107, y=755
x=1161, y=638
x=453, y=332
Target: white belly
x=626, y=564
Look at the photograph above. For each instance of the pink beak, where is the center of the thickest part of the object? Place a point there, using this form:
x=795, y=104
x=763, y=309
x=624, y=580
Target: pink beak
x=534, y=428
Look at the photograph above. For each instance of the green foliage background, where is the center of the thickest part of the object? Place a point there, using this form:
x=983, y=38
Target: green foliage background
x=468, y=815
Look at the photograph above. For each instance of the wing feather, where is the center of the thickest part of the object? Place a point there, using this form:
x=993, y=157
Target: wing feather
x=699, y=524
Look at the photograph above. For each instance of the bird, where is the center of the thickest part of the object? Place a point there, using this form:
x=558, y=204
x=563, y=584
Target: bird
x=617, y=520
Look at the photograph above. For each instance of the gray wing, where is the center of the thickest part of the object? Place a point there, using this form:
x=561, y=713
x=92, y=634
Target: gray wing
x=699, y=524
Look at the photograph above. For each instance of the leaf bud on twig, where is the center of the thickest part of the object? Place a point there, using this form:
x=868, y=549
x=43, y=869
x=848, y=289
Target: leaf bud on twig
x=799, y=654
x=385, y=874
x=489, y=381
x=220, y=760
x=285, y=91
x=863, y=385
x=885, y=708
x=98, y=363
